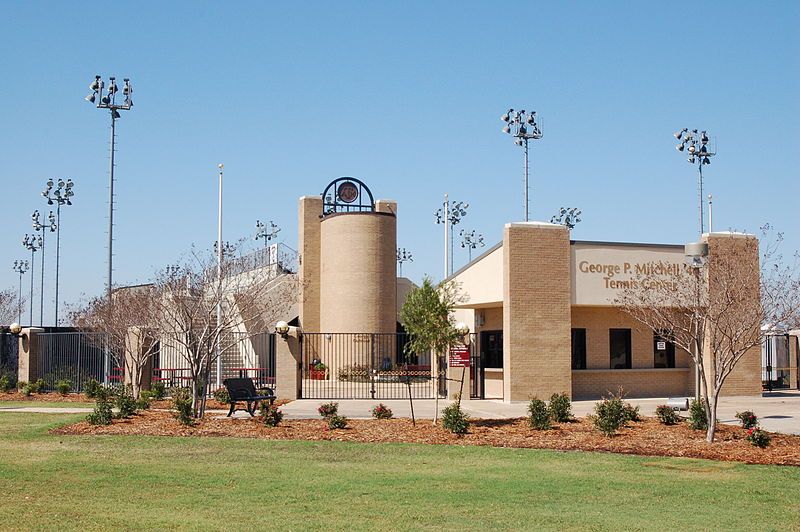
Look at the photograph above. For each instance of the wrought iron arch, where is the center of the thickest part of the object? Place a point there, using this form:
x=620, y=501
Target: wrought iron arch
x=347, y=194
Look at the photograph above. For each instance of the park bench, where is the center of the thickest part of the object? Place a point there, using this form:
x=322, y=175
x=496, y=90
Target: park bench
x=243, y=390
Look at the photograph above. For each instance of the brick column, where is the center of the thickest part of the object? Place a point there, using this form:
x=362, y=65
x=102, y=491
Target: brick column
x=536, y=311
x=29, y=355
x=745, y=379
x=308, y=248
x=137, y=342
x=287, y=367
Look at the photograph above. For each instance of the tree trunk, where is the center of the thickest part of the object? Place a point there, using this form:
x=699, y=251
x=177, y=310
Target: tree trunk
x=712, y=417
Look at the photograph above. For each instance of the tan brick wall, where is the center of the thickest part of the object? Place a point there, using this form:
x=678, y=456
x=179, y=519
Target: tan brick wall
x=357, y=275
x=308, y=248
x=29, y=368
x=287, y=364
x=536, y=311
x=745, y=379
x=593, y=384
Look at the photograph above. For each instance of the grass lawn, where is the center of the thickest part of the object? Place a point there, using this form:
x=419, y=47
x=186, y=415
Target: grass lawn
x=103, y=482
x=45, y=404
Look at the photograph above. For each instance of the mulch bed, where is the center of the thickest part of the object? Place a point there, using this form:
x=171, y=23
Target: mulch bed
x=51, y=397
x=648, y=437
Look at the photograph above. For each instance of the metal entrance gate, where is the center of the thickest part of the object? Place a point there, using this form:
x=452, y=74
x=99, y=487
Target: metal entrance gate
x=776, y=365
x=367, y=366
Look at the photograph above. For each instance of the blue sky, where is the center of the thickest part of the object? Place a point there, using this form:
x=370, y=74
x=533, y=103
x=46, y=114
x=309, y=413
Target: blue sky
x=405, y=96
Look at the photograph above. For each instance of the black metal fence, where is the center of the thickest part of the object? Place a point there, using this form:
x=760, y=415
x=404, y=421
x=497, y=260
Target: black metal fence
x=367, y=366
x=9, y=353
x=77, y=357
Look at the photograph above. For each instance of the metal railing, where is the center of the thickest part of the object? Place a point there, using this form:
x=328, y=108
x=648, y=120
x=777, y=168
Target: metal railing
x=278, y=258
x=77, y=357
x=367, y=366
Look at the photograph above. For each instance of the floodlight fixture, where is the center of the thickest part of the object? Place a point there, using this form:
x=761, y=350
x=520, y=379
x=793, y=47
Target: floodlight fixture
x=523, y=126
x=696, y=144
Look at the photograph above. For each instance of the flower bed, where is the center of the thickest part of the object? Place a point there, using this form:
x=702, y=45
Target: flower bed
x=648, y=437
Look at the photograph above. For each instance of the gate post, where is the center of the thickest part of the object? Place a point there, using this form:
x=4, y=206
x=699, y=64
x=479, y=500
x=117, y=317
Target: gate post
x=30, y=355
x=288, y=356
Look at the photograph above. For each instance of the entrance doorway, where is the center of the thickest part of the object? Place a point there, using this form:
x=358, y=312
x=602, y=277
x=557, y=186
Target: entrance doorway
x=490, y=376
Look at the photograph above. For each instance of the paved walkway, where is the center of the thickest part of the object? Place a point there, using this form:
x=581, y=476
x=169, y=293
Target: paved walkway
x=778, y=411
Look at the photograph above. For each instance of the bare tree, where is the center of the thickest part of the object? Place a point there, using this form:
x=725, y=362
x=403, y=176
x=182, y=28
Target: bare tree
x=10, y=306
x=127, y=326
x=202, y=312
x=718, y=311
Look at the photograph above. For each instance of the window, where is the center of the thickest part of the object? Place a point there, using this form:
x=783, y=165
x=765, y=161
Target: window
x=620, y=348
x=492, y=349
x=578, y=348
x=663, y=351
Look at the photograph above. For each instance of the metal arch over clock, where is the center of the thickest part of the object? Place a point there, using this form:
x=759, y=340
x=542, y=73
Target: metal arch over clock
x=347, y=194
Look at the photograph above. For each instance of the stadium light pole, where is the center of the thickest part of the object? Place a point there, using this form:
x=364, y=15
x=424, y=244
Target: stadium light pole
x=20, y=266
x=403, y=255
x=107, y=100
x=266, y=232
x=450, y=214
x=523, y=126
x=220, y=251
x=60, y=196
x=39, y=226
x=32, y=244
x=696, y=144
x=471, y=240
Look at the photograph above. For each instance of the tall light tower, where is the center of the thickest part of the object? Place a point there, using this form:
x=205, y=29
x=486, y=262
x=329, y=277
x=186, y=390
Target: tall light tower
x=266, y=232
x=32, y=244
x=107, y=100
x=471, y=240
x=696, y=144
x=403, y=255
x=450, y=214
x=523, y=126
x=60, y=196
x=20, y=266
x=220, y=250
x=39, y=226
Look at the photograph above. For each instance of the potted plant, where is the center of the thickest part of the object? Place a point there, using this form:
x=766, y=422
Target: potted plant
x=318, y=372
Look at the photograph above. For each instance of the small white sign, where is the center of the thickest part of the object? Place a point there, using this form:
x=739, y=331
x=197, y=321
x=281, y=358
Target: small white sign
x=661, y=345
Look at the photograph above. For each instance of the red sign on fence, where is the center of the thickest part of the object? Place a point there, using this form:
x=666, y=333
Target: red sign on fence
x=459, y=356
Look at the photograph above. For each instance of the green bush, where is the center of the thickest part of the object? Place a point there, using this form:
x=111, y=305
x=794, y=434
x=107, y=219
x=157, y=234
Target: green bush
x=159, y=390
x=147, y=395
x=102, y=413
x=609, y=415
x=27, y=389
x=142, y=403
x=697, y=416
x=5, y=383
x=454, y=419
x=758, y=437
x=666, y=415
x=182, y=402
x=91, y=388
x=21, y=384
x=336, y=422
x=748, y=419
x=538, y=414
x=327, y=410
x=631, y=413
x=125, y=403
x=40, y=386
x=64, y=386
x=271, y=415
x=382, y=412
x=560, y=408
x=222, y=395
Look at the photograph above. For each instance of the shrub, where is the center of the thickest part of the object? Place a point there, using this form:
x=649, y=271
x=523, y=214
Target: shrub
x=40, y=386
x=159, y=390
x=666, y=415
x=560, y=408
x=5, y=383
x=697, y=416
x=125, y=403
x=21, y=384
x=63, y=387
x=182, y=402
x=222, y=395
x=336, y=422
x=327, y=410
x=27, y=389
x=538, y=414
x=631, y=413
x=454, y=419
x=102, y=413
x=91, y=388
x=758, y=437
x=147, y=395
x=382, y=412
x=271, y=415
x=609, y=414
x=748, y=419
x=142, y=403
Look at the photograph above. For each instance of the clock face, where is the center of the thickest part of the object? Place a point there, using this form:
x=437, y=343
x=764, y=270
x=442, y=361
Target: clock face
x=347, y=192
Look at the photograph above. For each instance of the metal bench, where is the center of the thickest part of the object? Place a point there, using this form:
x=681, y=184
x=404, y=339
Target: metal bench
x=243, y=390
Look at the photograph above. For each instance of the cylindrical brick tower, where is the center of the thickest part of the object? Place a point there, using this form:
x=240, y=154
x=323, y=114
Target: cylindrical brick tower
x=357, y=272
